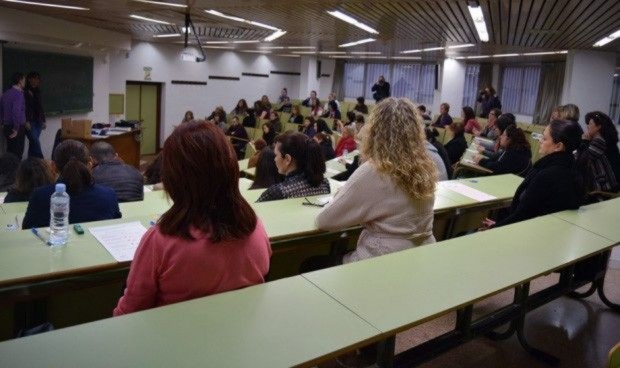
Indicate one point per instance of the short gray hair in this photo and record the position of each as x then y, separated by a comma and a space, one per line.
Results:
102, 151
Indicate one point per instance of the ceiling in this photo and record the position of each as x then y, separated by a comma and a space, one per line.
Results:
515, 26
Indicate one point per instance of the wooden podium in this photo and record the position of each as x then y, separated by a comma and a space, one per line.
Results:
126, 145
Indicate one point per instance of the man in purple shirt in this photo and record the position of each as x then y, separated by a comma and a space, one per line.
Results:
444, 119
13, 115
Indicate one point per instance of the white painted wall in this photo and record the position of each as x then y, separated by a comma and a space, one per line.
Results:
451, 86
309, 81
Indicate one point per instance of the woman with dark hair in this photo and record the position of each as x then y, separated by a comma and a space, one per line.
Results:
489, 130
89, 201
321, 127
553, 184
469, 120
262, 107
457, 145
274, 119
360, 107
515, 156
431, 136
210, 240
152, 174
259, 145
325, 142
503, 122
598, 156
266, 170
8, 169
241, 108
296, 116
269, 133
489, 100
332, 111
301, 161
188, 117
309, 128
32, 173
238, 136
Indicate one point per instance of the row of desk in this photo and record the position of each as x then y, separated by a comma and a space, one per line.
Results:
303, 320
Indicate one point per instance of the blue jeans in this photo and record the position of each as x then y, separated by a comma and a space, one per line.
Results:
34, 145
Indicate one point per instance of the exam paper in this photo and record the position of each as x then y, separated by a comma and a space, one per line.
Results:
120, 240
468, 191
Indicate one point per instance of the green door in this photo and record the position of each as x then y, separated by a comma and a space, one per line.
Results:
141, 103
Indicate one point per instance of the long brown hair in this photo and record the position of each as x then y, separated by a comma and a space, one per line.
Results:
72, 161
200, 173
32, 173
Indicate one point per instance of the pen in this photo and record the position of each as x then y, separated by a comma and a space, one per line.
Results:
38, 235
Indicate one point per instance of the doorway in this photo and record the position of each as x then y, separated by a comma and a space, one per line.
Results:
143, 103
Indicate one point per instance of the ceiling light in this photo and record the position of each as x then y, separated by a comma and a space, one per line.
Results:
434, 48
257, 51
188, 29
461, 46
275, 35
222, 15
246, 41
366, 53
342, 16
476, 15
340, 57
407, 57
332, 52
372, 57
161, 3
608, 39
216, 42
422, 50
459, 58
304, 52
148, 19
301, 47
505, 55
289, 55
544, 53
367, 40
219, 47
48, 5
167, 35
479, 57
263, 25
271, 47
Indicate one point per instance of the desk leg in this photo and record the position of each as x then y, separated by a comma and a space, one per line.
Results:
598, 280
385, 352
512, 327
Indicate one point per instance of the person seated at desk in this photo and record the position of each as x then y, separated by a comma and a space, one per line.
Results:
469, 119
444, 118
8, 169
286, 105
296, 116
269, 133
210, 240
89, 201
301, 161
309, 128
266, 170
333, 112
262, 107
554, 183
422, 110
515, 157
493, 149
431, 136
489, 131
321, 127
457, 145
219, 111
598, 156
283, 95
274, 119
32, 173
311, 101
433, 153
110, 171
326, 145
241, 109
392, 193
188, 117
347, 142
152, 174
360, 107
259, 145
239, 136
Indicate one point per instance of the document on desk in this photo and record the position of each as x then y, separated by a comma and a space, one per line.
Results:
469, 192
120, 240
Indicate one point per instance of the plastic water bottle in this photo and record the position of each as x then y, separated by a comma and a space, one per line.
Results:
59, 216
345, 153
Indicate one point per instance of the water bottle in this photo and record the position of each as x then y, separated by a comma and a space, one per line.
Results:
345, 153
59, 216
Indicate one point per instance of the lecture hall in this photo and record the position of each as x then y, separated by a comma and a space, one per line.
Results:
352, 183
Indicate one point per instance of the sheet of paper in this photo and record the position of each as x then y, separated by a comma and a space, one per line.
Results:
469, 192
121, 240
333, 172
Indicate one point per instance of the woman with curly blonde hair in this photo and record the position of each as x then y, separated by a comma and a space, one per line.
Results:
392, 193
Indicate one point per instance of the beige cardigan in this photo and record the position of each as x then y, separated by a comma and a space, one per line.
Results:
391, 221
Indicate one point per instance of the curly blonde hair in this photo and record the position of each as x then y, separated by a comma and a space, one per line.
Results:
393, 139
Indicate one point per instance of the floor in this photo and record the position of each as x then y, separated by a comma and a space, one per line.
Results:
579, 332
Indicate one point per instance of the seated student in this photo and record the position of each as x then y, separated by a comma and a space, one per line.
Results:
262, 107
392, 193
152, 174
269, 133
110, 171
347, 141
503, 122
249, 121
89, 201
444, 118
489, 130
350, 168
321, 127
598, 157
266, 170
553, 184
32, 173
188, 117
457, 145
332, 111
331, 97
283, 95
311, 101
422, 110
210, 240
8, 169
515, 156
360, 107
241, 109
431, 137
259, 145
286, 105
316, 110
274, 119
308, 128
359, 122
217, 121
301, 161
296, 116
569, 112
326, 145
469, 119
239, 137
219, 111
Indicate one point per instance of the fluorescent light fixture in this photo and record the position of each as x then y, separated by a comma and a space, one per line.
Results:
476, 15
340, 57
434, 48
545, 53
367, 40
461, 46
289, 55
219, 47
148, 19
505, 55
459, 58
372, 57
342, 16
366, 53
275, 35
406, 57
263, 25
479, 57
422, 50
608, 39
186, 56
272, 47
257, 51
332, 52
301, 47
217, 42
161, 3
189, 29
167, 35
304, 52
46, 4
222, 15
246, 41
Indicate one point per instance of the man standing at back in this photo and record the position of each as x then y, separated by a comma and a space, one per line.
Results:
34, 114
381, 89
13, 115
110, 171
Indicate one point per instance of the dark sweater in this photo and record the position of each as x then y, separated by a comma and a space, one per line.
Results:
552, 185
455, 148
328, 149
444, 157
126, 180
513, 161
13, 196
94, 203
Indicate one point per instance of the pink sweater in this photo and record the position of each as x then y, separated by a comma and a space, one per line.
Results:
470, 125
168, 269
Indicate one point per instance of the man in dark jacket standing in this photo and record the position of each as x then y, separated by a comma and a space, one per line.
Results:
35, 115
110, 171
381, 89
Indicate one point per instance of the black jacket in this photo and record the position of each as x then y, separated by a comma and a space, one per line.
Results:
381, 91
328, 149
552, 185
34, 106
455, 148
513, 161
126, 180
444, 157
